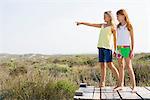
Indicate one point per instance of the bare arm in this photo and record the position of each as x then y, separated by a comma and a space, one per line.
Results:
89, 24
132, 43
115, 38
132, 39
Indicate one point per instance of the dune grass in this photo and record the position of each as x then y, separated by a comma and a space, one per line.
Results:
43, 77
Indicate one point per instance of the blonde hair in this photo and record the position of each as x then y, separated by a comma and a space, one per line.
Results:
123, 12
112, 21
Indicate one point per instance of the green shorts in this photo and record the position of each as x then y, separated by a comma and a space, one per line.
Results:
123, 51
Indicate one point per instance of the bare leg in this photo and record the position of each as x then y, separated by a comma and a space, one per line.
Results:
131, 73
114, 71
103, 74
121, 74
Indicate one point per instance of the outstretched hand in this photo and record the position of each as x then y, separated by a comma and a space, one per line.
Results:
78, 23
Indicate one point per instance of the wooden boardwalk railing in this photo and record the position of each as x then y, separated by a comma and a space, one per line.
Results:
94, 93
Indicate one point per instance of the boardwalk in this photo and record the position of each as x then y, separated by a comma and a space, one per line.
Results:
94, 93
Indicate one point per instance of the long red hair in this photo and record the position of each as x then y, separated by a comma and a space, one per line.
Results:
123, 12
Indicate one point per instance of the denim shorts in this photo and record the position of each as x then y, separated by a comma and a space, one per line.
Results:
105, 55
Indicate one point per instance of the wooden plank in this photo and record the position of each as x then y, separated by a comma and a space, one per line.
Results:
109, 93
88, 89
92, 93
127, 94
78, 93
87, 93
143, 92
86, 96
97, 94
106, 93
147, 88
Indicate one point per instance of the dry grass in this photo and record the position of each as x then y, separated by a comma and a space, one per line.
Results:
42, 77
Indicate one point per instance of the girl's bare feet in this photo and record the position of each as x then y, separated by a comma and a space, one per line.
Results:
102, 84
133, 90
118, 85
118, 88
115, 87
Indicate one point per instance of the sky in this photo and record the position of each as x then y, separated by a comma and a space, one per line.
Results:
48, 26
